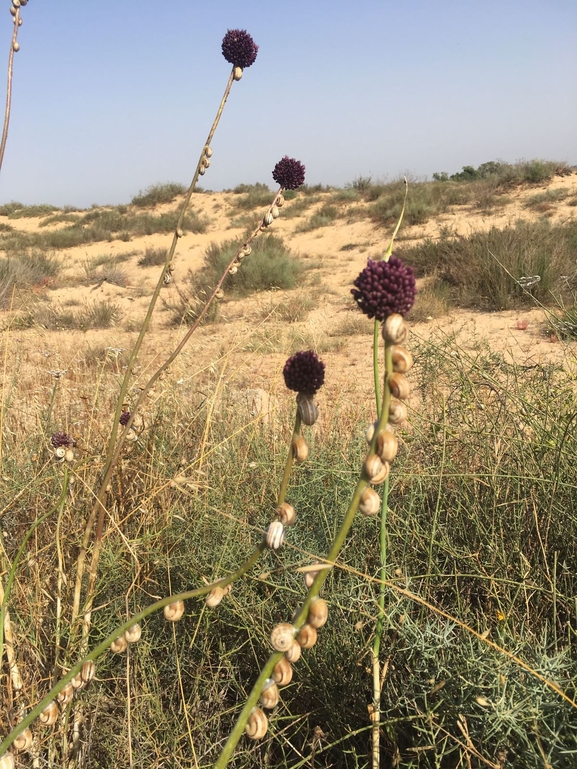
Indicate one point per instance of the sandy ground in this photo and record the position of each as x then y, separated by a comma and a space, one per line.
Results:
252, 340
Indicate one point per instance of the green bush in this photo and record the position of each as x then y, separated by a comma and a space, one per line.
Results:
28, 269
159, 193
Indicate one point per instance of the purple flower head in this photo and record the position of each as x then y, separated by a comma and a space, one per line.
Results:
239, 48
289, 173
61, 439
124, 417
304, 372
384, 288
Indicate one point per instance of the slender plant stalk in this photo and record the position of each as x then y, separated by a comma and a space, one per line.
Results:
8, 107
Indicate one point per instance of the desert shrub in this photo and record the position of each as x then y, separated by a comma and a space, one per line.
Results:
28, 269
543, 201
346, 196
158, 193
299, 205
15, 210
270, 265
476, 278
322, 218
530, 171
152, 257
60, 217
93, 315
252, 196
361, 183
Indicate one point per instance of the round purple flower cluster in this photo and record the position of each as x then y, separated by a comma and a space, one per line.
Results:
124, 417
384, 288
304, 372
239, 48
289, 173
61, 439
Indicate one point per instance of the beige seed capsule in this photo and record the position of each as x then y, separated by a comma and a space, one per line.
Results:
399, 386
133, 634
23, 741
387, 446
214, 597
300, 449
307, 636
119, 645
402, 359
294, 652
282, 637
370, 503
318, 613
257, 724
269, 696
174, 611
283, 671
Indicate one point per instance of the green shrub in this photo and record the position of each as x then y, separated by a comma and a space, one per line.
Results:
252, 196
152, 257
24, 271
322, 218
159, 193
17, 210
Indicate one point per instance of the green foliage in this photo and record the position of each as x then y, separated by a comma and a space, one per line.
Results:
483, 269
159, 193
93, 315
324, 217
152, 257
251, 196
531, 171
22, 272
15, 210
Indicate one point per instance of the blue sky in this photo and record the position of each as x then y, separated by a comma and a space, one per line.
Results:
110, 97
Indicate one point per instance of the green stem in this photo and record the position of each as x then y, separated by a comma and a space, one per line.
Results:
12, 572
289, 462
376, 335
105, 645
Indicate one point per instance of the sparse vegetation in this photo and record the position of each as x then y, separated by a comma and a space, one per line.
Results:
158, 193
23, 272
322, 218
152, 257
16, 210
251, 196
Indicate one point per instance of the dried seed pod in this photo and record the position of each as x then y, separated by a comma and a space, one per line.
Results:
280, 201
214, 597
174, 611
318, 613
257, 724
88, 671
300, 449
23, 741
308, 409
282, 636
69, 455
397, 412
119, 645
307, 636
394, 329
267, 219
283, 671
286, 514
399, 386
387, 446
133, 634
59, 453
66, 695
294, 652
49, 714
237, 73
370, 503
275, 212
402, 359
269, 696
7, 761
274, 537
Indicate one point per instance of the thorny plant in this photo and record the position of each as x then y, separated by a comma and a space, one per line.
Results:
385, 290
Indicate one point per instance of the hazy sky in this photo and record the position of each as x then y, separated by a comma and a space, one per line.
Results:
112, 96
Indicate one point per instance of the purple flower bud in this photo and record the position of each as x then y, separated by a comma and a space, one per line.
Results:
304, 372
239, 48
289, 173
61, 439
124, 417
384, 288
